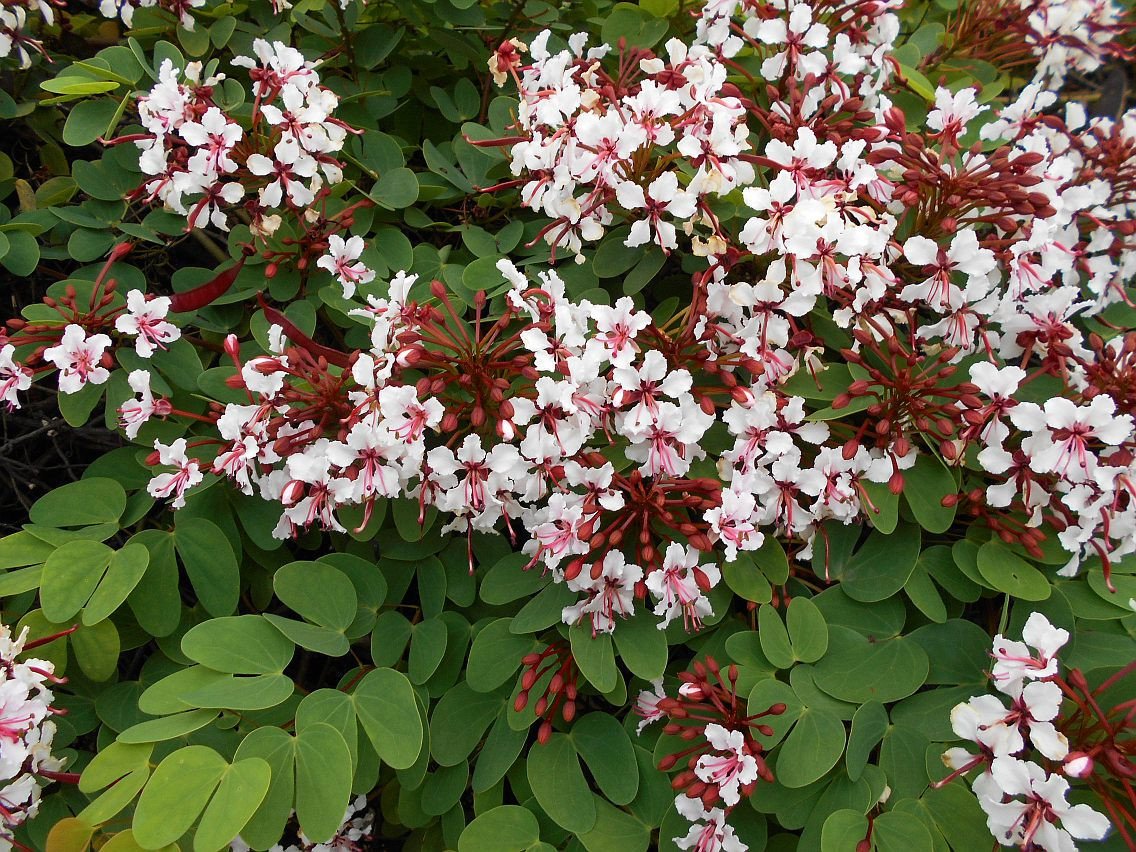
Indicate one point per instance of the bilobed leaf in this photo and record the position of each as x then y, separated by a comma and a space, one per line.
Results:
239, 644
858, 670
322, 640
558, 783
897, 832
812, 748
70, 576
176, 794
459, 720
319, 592
242, 789
96, 649
277, 749
386, 708
842, 830
234, 692
880, 567
127, 567
427, 648
808, 631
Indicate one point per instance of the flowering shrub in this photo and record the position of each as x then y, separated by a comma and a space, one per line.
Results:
626, 431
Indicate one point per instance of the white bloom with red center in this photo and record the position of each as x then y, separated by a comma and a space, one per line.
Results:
14, 377
315, 491
803, 158
275, 66
645, 385
556, 530
680, 585
647, 704
187, 475
616, 328
662, 197
610, 593
214, 136
1014, 662
78, 358
146, 319
372, 453
133, 413
731, 769
476, 485
964, 256
797, 33
710, 832
734, 522
1041, 819
668, 444
953, 111
406, 417
342, 261
985, 720
290, 167
1063, 434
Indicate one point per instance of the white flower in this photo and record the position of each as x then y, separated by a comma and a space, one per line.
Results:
1014, 662
342, 261
187, 473
1041, 819
730, 770
78, 358
146, 320
14, 377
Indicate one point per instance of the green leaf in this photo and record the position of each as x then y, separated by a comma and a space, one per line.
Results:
1007, 572
96, 648
558, 783
495, 655
210, 564
616, 831
594, 656
23, 548
842, 830
880, 568
883, 510
243, 787
746, 579
427, 648
869, 724
639, 27
808, 631
858, 670
774, 637
396, 189
70, 576
322, 640
76, 504
323, 780
897, 832
156, 600
126, 569
167, 727
242, 693
88, 120
177, 793
506, 828
609, 754
277, 749
240, 644
925, 485
812, 748
506, 582
387, 710
642, 646
458, 722
334, 602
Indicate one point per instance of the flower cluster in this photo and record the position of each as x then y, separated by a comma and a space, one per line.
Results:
201, 162
26, 732
726, 760
1025, 805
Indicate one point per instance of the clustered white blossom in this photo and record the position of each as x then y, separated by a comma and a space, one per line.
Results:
1025, 805
200, 162
26, 732
353, 835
